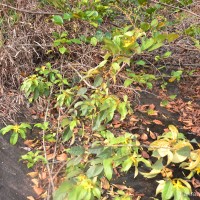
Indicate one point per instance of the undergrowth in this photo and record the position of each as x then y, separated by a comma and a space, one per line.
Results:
100, 44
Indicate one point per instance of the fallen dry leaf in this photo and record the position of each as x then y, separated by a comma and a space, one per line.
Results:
44, 195
32, 174
144, 154
133, 118
123, 187
152, 135
144, 137
156, 121
30, 198
43, 175
62, 157
117, 125
50, 156
28, 143
35, 181
38, 190
105, 183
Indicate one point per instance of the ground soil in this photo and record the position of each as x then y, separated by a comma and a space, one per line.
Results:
14, 183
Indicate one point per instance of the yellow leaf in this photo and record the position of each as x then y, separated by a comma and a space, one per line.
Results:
172, 79
159, 144
128, 42
30, 198
174, 131
32, 174
35, 181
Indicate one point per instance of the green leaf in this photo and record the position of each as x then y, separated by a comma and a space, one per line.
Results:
57, 19
93, 41
181, 154
76, 150
62, 50
22, 133
147, 44
168, 190
25, 125
14, 138
128, 82
76, 41
67, 16
156, 46
115, 66
61, 192
167, 54
154, 23
145, 26
94, 170
67, 134
178, 194
102, 63
96, 192
108, 169
141, 62
164, 103
82, 91
126, 165
6, 129
98, 81
158, 165
172, 96
122, 110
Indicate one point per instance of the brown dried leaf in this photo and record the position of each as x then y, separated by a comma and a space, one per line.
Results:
152, 135
145, 154
32, 174
50, 156
105, 183
151, 106
35, 181
43, 175
156, 121
38, 190
62, 157
133, 118
144, 137
117, 125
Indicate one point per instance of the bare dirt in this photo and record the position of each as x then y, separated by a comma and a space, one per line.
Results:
14, 183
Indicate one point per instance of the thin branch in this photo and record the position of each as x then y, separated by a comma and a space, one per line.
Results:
44, 147
183, 9
30, 11
82, 78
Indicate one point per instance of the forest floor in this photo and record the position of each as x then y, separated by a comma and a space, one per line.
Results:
178, 104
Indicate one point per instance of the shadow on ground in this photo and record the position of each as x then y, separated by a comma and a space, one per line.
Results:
14, 183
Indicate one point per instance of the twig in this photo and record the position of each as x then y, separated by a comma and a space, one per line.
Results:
168, 5
30, 11
82, 78
44, 147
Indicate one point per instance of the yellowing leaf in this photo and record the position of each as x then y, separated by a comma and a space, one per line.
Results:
32, 174
159, 144
30, 198
130, 41
174, 131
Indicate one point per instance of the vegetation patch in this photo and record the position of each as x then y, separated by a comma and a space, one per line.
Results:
88, 64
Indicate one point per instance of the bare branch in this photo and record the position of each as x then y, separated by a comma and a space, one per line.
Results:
30, 11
